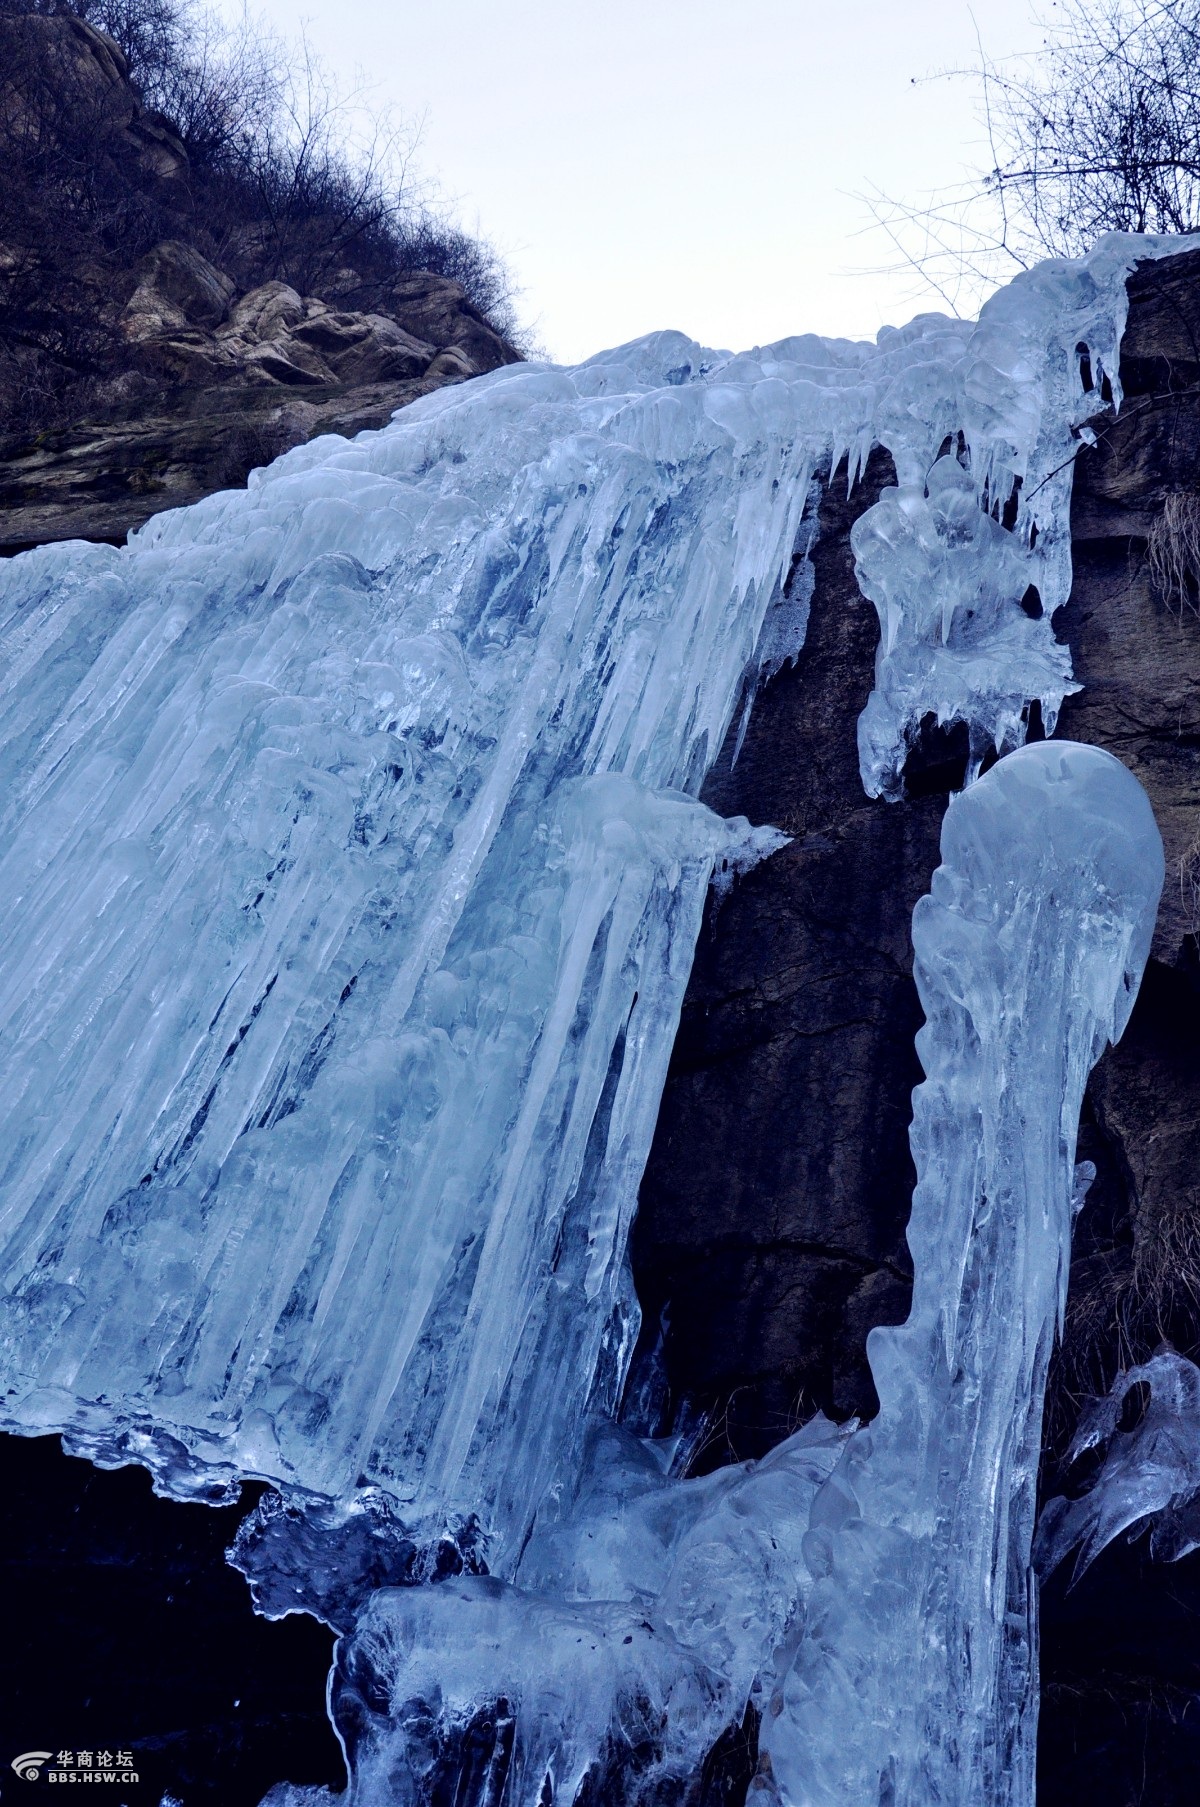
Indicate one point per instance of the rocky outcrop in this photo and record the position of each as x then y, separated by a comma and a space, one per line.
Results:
183, 322
218, 385
88, 72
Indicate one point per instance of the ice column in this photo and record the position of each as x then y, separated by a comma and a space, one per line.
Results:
914, 1679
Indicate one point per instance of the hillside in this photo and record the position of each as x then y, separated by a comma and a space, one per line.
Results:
169, 321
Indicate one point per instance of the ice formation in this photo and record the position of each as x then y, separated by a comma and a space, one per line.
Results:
1150, 1473
643, 1620
353, 872
920, 1620
352, 864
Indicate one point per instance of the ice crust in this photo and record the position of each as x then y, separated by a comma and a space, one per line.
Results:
352, 865
1149, 1476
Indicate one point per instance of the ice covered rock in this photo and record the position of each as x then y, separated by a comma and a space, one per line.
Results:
984, 423
1150, 1473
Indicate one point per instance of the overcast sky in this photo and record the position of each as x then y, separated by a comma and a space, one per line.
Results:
686, 163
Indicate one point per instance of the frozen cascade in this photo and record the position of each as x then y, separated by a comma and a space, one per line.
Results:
352, 880
871, 1589
351, 871
915, 1676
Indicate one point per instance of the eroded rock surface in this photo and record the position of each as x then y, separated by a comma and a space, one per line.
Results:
210, 394
771, 1224
1136, 648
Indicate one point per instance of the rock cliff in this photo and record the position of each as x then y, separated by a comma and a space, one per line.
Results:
201, 405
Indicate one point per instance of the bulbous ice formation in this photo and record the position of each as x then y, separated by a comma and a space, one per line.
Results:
915, 1676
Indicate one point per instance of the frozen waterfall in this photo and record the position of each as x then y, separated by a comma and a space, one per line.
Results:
351, 866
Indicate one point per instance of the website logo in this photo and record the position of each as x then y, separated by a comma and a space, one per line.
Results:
29, 1764
77, 1766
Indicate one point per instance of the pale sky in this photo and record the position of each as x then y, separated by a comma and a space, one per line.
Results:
697, 164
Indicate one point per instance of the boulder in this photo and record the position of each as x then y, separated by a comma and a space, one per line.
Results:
183, 357
363, 348
453, 362
437, 309
264, 312
174, 280
285, 360
178, 297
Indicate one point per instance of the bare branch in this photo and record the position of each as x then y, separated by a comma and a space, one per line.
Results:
1098, 131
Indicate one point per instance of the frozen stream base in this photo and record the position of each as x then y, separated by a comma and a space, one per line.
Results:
352, 866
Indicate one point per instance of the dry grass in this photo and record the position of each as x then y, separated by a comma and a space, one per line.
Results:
1164, 1288
1173, 552
1122, 1305
1189, 883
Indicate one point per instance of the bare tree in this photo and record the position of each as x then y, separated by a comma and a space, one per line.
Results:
1098, 130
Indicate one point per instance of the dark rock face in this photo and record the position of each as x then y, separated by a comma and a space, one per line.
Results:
125, 1630
98, 480
772, 1216
1121, 1679
1136, 649
1120, 1712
